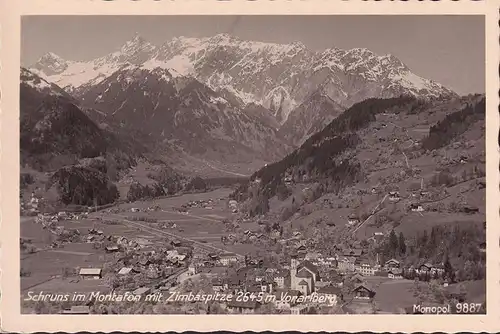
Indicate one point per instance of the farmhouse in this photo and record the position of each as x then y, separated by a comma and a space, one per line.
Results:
352, 220
363, 292
112, 249
228, 258
394, 196
392, 264
124, 271
90, 273
395, 274
416, 208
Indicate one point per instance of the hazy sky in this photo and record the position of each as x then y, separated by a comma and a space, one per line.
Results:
448, 49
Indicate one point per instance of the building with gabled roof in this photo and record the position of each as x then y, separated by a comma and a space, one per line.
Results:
90, 273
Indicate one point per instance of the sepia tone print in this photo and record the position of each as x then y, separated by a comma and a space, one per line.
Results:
252, 165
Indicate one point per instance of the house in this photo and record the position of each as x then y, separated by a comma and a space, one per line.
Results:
312, 256
365, 268
346, 264
242, 307
193, 269
279, 278
431, 269
363, 292
353, 252
80, 309
333, 294
112, 249
302, 249
352, 220
392, 264
144, 262
124, 271
394, 196
416, 208
425, 268
90, 273
227, 259
218, 285
395, 274
358, 279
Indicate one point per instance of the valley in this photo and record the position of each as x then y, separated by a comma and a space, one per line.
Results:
254, 167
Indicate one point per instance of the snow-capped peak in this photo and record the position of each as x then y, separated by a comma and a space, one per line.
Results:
135, 45
51, 63
50, 57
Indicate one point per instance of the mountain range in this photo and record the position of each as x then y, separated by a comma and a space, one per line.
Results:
226, 98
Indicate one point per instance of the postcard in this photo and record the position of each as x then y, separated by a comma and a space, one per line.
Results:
262, 165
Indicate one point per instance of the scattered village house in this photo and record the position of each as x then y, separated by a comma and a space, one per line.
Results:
395, 274
365, 268
392, 264
363, 292
228, 259
394, 196
416, 208
90, 273
352, 220
124, 271
431, 269
280, 277
347, 264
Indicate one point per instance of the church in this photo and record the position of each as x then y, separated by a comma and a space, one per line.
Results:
303, 276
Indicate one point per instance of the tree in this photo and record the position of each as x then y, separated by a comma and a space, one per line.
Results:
393, 243
449, 272
402, 244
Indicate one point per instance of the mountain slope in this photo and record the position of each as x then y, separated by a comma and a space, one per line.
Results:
183, 112
381, 145
310, 117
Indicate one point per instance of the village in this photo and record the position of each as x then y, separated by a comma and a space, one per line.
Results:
280, 272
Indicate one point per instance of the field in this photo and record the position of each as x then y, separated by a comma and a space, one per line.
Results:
43, 270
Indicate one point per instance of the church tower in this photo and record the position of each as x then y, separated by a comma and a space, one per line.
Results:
294, 263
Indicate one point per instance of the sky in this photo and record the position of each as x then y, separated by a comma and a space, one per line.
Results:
449, 49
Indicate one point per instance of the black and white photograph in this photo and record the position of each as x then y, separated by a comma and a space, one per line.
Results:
322, 164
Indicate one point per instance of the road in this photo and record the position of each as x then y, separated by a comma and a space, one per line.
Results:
161, 233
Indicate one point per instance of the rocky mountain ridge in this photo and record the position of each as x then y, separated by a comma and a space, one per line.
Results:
278, 77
